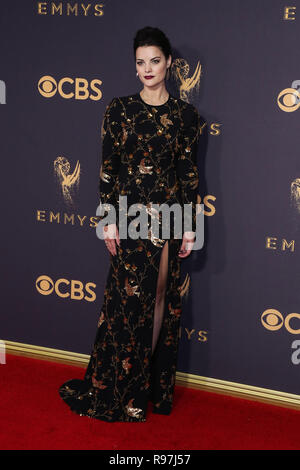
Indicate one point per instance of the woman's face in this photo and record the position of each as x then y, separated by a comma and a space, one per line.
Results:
151, 62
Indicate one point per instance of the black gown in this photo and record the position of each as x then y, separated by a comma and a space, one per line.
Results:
149, 154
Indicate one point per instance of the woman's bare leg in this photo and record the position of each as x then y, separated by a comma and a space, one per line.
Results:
160, 294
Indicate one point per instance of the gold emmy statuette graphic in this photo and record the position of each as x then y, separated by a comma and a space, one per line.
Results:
295, 193
180, 69
185, 286
67, 180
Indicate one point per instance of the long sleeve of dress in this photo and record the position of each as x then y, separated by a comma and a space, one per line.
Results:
111, 137
186, 169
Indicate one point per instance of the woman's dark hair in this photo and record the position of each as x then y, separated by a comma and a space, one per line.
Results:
149, 36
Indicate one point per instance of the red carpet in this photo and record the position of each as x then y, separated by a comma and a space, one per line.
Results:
34, 417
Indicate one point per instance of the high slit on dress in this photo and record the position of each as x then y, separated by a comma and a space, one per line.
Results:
158, 147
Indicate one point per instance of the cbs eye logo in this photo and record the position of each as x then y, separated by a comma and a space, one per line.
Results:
64, 288
273, 320
288, 99
68, 88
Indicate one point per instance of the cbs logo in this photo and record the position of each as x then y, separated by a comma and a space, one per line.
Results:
273, 320
64, 288
288, 99
78, 88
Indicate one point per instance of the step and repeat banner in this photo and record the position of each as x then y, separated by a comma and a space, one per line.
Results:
61, 64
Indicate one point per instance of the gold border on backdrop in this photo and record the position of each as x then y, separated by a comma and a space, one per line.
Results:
183, 379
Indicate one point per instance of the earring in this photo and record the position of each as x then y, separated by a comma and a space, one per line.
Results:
137, 74
168, 73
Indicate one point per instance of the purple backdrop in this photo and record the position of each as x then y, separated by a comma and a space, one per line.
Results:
59, 70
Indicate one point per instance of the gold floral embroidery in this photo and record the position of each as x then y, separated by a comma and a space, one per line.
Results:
165, 121
131, 289
148, 154
134, 412
145, 169
126, 365
104, 176
101, 319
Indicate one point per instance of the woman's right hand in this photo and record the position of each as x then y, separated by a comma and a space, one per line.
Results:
111, 235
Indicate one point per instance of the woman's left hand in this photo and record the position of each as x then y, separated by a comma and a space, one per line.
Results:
188, 241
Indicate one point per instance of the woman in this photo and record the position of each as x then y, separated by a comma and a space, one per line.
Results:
149, 148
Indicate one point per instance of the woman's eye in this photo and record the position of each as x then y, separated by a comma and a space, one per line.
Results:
155, 61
